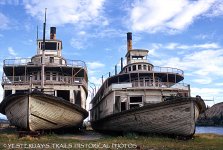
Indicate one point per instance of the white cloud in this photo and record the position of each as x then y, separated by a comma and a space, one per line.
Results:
95, 65
12, 51
173, 46
203, 80
208, 94
219, 84
4, 21
205, 62
206, 46
96, 81
170, 16
82, 33
78, 43
68, 11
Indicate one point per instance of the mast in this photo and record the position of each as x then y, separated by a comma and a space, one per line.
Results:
43, 54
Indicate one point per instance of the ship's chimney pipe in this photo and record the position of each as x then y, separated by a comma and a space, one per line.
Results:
53, 33
129, 41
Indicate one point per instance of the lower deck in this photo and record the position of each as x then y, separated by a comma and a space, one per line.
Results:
73, 94
122, 99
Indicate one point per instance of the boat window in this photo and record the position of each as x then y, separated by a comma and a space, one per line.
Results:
135, 102
21, 91
64, 94
51, 59
139, 67
35, 76
149, 68
117, 104
130, 68
144, 67
123, 106
54, 76
49, 45
47, 75
77, 96
135, 99
58, 46
134, 67
125, 69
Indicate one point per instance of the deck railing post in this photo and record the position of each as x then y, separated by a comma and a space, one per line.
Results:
30, 83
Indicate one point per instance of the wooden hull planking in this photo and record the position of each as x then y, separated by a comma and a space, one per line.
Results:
176, 118
35, 112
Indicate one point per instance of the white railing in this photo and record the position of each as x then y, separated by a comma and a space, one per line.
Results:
159, 84
168, 70
145, 84
69, 80
27, 61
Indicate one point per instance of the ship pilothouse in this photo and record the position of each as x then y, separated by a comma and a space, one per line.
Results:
62, 78
146, 74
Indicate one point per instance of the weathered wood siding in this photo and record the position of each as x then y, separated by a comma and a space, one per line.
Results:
16, 112
106, 106
46, 114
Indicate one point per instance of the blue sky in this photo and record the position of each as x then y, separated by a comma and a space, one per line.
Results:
186, 34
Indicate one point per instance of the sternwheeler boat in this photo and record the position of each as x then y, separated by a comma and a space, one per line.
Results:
145, 98
46, 91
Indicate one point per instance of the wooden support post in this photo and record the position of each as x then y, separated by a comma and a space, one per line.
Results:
154, 79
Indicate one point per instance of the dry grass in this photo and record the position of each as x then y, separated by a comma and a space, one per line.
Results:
130, 141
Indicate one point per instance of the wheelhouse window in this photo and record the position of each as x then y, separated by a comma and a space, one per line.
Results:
49, 45
144, 67
139, 67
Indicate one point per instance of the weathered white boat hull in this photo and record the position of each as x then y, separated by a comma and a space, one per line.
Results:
176, 117
41, 112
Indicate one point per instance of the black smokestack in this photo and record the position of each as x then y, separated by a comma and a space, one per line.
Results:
129, 41
53, 33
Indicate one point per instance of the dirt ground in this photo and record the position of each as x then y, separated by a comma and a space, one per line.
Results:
84, 135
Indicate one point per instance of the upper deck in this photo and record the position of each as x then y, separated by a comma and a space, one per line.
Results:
18, 67
56, 62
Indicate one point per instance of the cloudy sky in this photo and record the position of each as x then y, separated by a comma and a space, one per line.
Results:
186, 34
